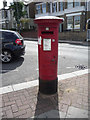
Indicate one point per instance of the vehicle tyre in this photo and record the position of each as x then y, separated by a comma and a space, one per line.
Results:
6, 56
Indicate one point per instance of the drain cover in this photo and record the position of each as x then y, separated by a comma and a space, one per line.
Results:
81, 67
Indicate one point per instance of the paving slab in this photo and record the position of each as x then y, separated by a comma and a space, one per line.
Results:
76, 113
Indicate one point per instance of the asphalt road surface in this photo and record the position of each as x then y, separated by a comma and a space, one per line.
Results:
70, 58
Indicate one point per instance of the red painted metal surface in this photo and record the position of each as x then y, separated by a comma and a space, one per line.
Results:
48, 56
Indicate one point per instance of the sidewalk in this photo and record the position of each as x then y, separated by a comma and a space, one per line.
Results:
71, 101
84, 43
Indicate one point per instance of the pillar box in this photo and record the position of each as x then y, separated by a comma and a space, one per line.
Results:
48, 53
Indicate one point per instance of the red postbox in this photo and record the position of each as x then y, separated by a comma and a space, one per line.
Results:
48, 53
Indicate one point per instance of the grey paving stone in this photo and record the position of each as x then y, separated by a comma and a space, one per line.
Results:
52, 114
42, 115
74, 112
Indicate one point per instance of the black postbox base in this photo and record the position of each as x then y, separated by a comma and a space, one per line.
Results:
48, 87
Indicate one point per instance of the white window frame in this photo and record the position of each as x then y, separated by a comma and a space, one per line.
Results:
74, 14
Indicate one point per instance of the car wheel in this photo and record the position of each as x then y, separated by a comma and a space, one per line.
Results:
6, 56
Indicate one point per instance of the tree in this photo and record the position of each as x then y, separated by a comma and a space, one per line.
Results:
25, 22
17, 7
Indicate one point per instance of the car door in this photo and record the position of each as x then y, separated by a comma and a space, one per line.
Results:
7, 40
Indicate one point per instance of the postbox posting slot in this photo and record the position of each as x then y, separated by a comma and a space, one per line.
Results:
47, 32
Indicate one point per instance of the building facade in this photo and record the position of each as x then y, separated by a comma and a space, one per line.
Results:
7, 19
75, 14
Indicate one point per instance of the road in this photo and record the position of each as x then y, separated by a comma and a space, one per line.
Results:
70, 58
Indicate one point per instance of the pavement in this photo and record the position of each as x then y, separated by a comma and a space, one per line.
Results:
25, 101
84, 43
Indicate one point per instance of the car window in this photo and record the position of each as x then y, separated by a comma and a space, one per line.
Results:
20, 37
9, 36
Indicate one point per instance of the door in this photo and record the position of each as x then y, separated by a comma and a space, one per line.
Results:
88, 31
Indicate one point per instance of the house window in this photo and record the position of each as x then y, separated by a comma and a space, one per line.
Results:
76, 3
38, 9
25, 8
70, 5
61, 6
55, 7
76, 22
70, 23
44, 8
61, 28
6, 14
2, 13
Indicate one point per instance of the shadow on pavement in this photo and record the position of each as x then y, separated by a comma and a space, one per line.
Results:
47, 106
7, 67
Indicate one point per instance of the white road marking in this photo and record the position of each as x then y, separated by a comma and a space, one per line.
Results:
33, 83
70, 67
32, 42
16, 70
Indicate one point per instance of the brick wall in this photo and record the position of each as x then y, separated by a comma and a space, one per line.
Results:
75, 36
29, 34
32, 10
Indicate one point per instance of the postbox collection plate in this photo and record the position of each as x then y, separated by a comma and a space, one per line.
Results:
46, 44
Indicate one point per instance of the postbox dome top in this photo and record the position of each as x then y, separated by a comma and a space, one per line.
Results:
48, 20
50, 17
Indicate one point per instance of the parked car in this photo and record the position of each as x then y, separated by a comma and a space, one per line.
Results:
11, 45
